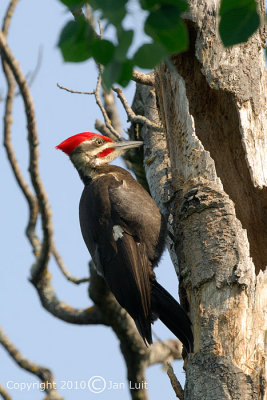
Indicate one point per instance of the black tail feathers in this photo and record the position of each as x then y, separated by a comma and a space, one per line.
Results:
172, 315
144, 328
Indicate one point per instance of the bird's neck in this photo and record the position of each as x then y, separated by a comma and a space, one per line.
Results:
89, 173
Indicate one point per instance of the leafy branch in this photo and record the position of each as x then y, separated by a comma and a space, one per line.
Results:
164, 26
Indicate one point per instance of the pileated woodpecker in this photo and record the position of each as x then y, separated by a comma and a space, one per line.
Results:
124, 232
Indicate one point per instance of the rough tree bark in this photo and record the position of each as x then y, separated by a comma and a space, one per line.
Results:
213, 108
207, 171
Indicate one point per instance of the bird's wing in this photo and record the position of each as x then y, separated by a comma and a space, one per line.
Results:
116, 248
127, 275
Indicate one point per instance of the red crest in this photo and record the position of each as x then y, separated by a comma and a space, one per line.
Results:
70, 144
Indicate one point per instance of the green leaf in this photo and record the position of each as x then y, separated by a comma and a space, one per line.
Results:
102, 51
149, 55
156, 4
114, 11
72, 3
239, 20
118, 72
164, 18
125, 39
74, 41
168, 29
126, 73
111, 73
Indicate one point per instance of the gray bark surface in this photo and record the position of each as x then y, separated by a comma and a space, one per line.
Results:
212, 177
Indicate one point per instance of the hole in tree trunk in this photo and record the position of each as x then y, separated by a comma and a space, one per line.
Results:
217, 126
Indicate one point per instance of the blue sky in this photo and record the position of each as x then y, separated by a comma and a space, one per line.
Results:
73, 353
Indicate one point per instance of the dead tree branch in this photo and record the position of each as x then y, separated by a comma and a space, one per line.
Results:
52, 304
133, 118
111, 131
43, 373
4, 394
64, 270
101, 127
163, 351
63, 311
175, 383
74, 91
144, 79
111, 109
42, 261
8, 16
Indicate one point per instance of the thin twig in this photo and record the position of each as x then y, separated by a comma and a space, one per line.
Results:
111, 130
138, 119
31, 199
9, 14
100, 29
101, 127
144, 79
64, 270
43, 373
32, 75
74, 91
4, 394
175, 383
116, 134
42, 261
111, 109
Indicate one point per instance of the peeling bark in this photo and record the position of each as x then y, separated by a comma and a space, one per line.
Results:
213, 109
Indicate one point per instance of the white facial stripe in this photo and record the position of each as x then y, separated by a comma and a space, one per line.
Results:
117, 232
99, 149
86, 161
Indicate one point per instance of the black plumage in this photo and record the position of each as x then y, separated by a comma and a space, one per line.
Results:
114, 198
124, 232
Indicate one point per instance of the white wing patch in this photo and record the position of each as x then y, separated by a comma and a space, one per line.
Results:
117, 232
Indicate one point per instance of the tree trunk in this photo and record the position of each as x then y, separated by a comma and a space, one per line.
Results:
213, 108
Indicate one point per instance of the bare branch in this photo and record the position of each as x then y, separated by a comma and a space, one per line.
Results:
144, 79
138, 119
4, 393
111, 109
31, 199
43, 373
74, 91
32, 75
108, 110
42, 260
8, 16
113, 131
100, 29
175, 383
101, 127
62, 310
63, 269
163, 351
109, 129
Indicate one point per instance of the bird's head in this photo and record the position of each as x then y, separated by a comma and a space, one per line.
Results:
88, 150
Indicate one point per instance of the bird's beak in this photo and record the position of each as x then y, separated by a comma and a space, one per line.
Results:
125, 145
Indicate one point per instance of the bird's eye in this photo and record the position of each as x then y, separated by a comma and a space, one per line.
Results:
99, 142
